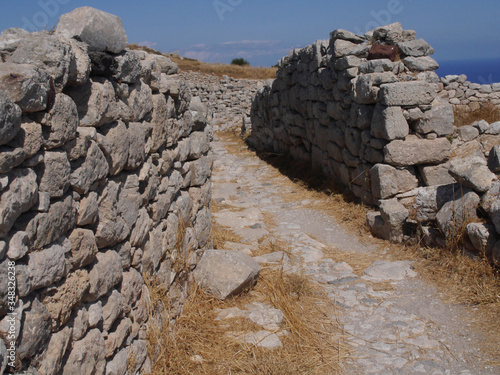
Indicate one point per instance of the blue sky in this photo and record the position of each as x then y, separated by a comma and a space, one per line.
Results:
263, 31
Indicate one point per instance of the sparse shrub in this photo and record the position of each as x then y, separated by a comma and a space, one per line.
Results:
240, 62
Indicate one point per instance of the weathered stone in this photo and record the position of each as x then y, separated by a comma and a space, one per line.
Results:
117, 338
454, 214
376, 66
387, 181
118, 365
104, 275
467, 133
394, 215
87, 211
420, 64
482, 236
11, 158
140, 100
166, 65
199, 111
25, 85
141, 229
29, 137
409, 151
83, 248
431, 199
201, 170
439, 119
49, 53
45, 228
35, 335
131, 288
87, 171
116, 146
241, 272
18, 245
112, 309
95, 314
407, 93
203, 226
494, 159
60, 122
60, 302
365, 88
436, 174
10, 119
21, 195
346, 35
415, 48
53, 357
472, 172
100, 30
55, 173
43, 268
79, 68
112, 228
128, 68
389, 123
87, 356
78, 147
390, 34
137, 148
95, 101
385, 271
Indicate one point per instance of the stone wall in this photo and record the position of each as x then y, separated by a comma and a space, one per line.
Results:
229, 100
105, 170
365, 111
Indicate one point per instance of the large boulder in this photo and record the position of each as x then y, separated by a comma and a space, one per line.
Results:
100, 30
240, 272
457, 213
389, 123
472, 172
407, 93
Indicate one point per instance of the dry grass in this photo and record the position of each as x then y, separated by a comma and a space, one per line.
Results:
484, 111
219, 70
198, 344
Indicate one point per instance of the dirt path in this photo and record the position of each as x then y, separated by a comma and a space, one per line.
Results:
394, 322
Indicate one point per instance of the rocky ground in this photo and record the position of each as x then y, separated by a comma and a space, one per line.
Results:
394, 322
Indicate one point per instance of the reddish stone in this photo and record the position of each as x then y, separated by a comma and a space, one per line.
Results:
379, 51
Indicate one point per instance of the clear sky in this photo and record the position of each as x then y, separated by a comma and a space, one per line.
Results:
262, 31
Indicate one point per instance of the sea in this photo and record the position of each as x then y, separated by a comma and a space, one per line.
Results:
483, 72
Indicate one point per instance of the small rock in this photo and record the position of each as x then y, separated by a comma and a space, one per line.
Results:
241, 272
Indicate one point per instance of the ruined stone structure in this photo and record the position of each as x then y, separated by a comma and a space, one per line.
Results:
365, 111
229, 100
105, 178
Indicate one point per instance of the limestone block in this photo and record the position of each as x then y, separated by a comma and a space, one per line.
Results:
389, 123
409, 151
472, 172
411, 93
240, 272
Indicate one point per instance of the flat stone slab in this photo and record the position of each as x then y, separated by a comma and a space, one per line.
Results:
260, 313
263, 339
226, 273
383, 271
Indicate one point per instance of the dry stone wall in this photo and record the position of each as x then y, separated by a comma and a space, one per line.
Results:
229, 100
365, 111
105, 179
460, 92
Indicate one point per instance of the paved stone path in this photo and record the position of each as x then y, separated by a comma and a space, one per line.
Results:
400, 329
